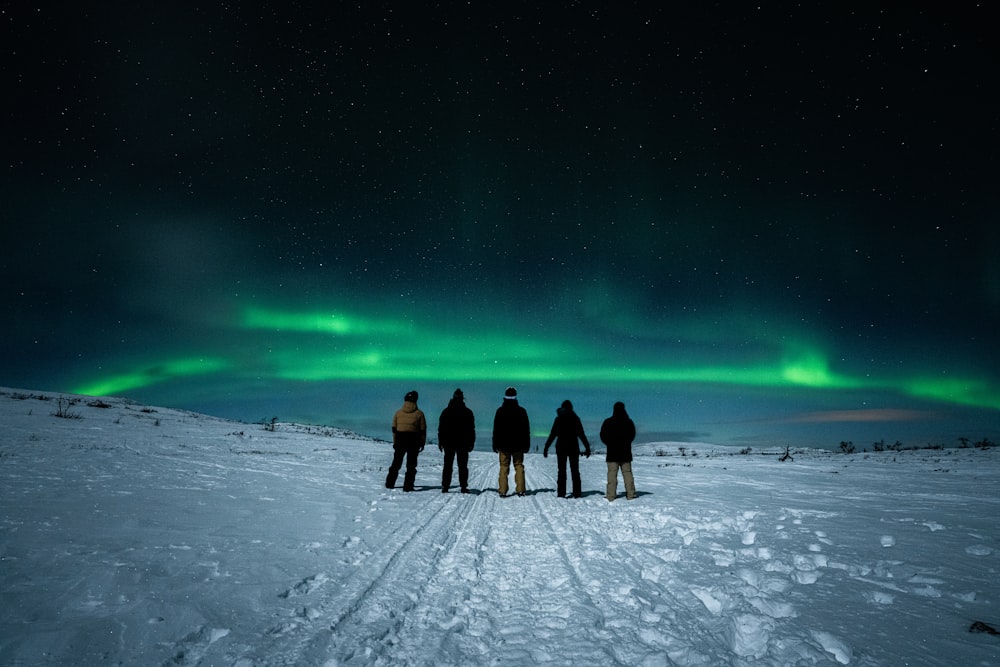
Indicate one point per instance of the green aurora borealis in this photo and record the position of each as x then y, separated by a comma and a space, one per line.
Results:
343, 347
337, 346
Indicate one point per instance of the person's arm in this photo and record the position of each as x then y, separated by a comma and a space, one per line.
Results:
552, 435
527, 431
496, 431
472, 431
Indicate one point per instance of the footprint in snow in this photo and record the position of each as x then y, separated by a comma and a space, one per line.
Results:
304, 587
927, 592
805, 578
192, 648
763, 582
773, 608
879, 597
724, 558
652, 573
808, 563
749, 635
715, 601
831, 644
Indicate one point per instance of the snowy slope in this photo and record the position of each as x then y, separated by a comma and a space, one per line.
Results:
149, 536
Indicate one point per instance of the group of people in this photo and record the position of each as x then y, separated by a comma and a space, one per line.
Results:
511, 441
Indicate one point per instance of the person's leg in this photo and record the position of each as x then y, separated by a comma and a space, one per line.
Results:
612, 492
504, 471
560, 474
574, 468
519, 473
449, 458
412, 453
463, 469
397, 462
629, 481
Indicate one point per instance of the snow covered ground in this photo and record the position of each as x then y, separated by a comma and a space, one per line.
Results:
148, 536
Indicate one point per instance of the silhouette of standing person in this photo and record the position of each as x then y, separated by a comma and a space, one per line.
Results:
567, 431
456, 438
618, 432
409, 433
511, 439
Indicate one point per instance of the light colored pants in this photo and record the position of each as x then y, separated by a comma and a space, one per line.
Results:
505, 461
626, 469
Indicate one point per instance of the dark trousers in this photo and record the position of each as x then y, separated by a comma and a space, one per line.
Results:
463, 468
399, 451
574, 467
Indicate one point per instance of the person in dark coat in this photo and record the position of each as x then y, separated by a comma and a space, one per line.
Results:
567, 431
511, 440
456, 438
618, 432
409, 433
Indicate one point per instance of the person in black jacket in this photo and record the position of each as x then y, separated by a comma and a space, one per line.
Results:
511, 440
456, 438
567, 431
618, 432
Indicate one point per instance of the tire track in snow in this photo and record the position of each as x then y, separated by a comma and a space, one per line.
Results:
447, 609
412, 600
353, 620
371, 626
536, 608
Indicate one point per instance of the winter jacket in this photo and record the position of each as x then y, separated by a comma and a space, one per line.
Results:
409, 427
618, 432
511, 430
567, 430
457, 427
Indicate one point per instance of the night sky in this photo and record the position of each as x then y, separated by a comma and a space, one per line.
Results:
756, 224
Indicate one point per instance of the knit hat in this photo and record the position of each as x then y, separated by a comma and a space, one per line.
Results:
458, 394
411, 396
510, 394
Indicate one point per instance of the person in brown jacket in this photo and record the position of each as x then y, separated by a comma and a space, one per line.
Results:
409, 434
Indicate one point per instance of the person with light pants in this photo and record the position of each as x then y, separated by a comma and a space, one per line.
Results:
618, 432
511, 440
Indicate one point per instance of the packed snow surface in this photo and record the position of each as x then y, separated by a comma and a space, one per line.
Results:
147, 536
